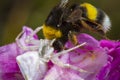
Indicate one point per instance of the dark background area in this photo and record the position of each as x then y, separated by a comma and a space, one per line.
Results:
16, 13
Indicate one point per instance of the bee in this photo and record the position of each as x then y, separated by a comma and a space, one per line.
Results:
65, 21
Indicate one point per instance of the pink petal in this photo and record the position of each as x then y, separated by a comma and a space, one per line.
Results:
9, 69
91, 58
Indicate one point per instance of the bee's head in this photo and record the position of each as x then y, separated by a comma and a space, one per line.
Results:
54, 20
55, 16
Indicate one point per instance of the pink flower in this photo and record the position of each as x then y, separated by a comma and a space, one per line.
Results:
9, 69
112, 69
99, 60
90, 58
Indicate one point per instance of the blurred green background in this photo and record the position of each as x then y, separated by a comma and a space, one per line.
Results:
16, 13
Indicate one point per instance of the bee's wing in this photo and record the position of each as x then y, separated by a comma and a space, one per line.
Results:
74, 16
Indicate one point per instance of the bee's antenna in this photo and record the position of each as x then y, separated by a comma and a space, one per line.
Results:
63, 3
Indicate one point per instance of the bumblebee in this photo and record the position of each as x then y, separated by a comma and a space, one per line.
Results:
64, 21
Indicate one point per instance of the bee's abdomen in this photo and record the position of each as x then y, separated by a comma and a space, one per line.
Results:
89, 11
97, 15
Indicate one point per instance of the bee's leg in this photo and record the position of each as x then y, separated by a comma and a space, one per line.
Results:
94, 27
102, 34
55, 59
58, 45
105, 37
72, 37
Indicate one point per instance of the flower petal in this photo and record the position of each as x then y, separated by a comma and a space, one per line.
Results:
113, 66
91, 58
91, 42
9, 69
57, 73
107, 43
27, 32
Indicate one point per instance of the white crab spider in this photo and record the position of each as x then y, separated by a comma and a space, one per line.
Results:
29, 40
46, 52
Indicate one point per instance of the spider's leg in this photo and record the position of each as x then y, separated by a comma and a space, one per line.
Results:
18, 41
33, 33
55, 59
58, 62
23, 47
69, 50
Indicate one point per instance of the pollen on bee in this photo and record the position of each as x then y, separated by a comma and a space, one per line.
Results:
51, 33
